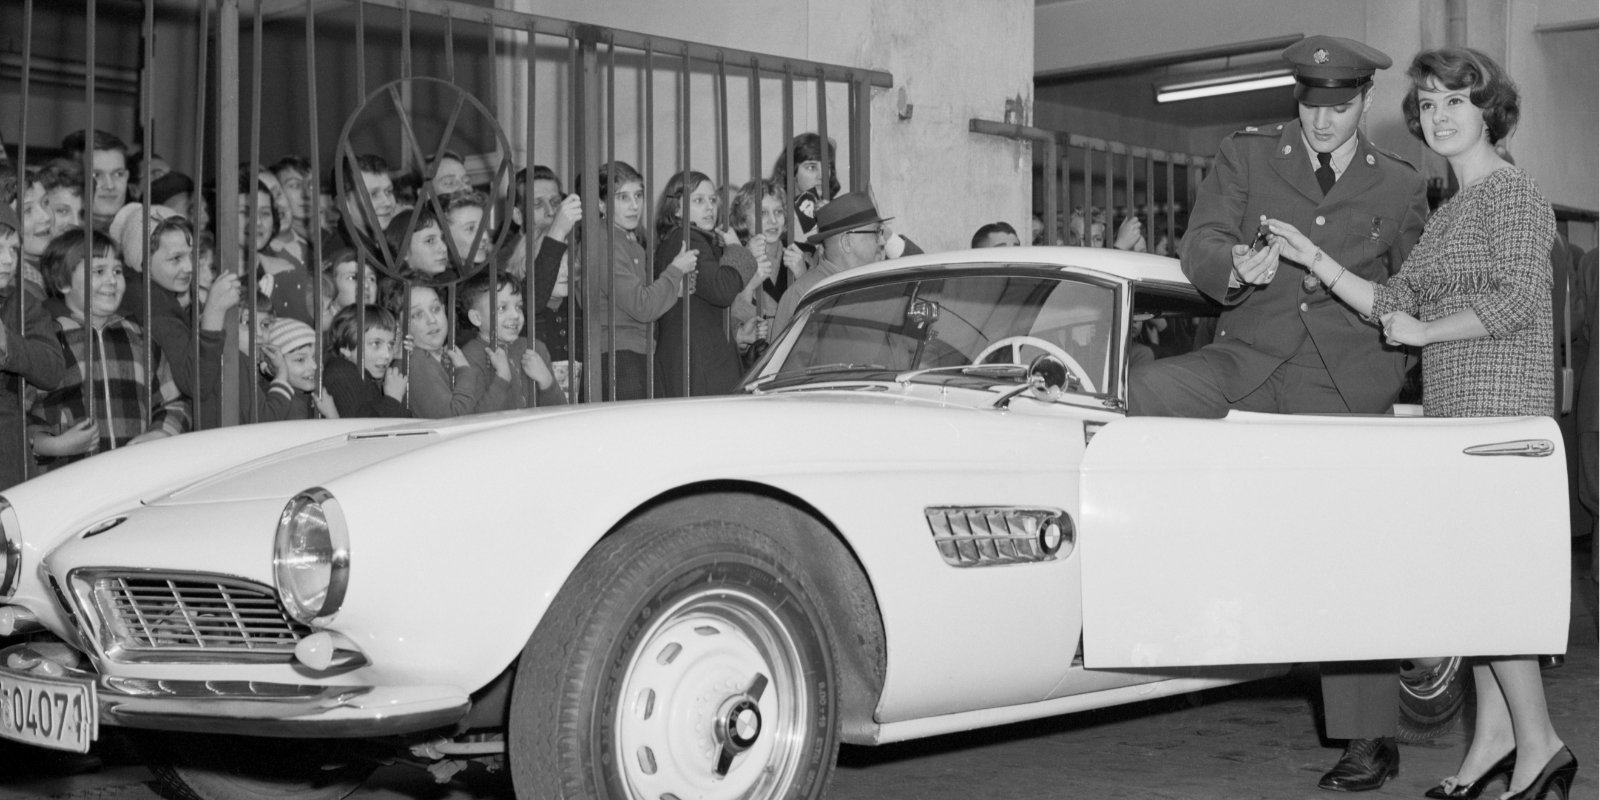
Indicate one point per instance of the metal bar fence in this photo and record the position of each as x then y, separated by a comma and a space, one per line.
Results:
599, 114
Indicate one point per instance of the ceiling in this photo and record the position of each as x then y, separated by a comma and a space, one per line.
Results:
1128, 90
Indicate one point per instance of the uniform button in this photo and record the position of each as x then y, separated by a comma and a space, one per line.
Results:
1321, 221
1305, 307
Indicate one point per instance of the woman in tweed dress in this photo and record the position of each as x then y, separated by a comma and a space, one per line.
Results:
1474, 294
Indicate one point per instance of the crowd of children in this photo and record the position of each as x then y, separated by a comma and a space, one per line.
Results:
114, 311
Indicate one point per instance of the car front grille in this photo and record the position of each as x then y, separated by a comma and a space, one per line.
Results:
189, 617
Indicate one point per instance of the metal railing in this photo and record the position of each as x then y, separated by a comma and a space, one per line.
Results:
575, 96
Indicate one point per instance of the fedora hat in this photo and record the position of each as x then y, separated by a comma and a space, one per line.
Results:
846, 212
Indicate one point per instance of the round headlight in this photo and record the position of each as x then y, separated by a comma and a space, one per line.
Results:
311, 556
10, 550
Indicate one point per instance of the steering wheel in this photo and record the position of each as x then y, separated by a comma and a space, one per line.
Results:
1016, 343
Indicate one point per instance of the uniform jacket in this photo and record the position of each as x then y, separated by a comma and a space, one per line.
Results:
1368, 222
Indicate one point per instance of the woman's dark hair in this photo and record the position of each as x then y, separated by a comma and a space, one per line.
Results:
807, 147
669, 214
993, 227
66, 252
1489, 88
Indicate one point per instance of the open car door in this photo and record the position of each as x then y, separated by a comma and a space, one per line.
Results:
1268, 538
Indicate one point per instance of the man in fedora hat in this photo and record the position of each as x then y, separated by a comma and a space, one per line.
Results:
1284, 342
851, 234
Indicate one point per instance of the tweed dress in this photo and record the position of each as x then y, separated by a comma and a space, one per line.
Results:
1488, 250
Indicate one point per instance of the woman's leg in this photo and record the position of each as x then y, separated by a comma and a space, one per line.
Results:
1492, 735
1523, 689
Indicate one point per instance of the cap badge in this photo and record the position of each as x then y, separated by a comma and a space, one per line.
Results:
1320, 56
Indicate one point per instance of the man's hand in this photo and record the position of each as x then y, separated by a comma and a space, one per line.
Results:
1256, 266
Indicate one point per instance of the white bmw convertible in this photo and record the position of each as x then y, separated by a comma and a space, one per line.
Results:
927, 513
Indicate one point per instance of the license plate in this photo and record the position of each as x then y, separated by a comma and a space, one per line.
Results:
58, 713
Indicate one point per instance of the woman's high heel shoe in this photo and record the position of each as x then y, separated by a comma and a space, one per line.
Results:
1469, 791
1556, 778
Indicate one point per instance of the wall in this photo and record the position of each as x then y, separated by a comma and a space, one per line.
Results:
955, 61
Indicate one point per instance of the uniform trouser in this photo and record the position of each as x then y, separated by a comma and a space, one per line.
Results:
1360, 698
1189, 386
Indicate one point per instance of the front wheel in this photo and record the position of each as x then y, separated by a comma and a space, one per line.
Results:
1432, 693
692, 662
196, 767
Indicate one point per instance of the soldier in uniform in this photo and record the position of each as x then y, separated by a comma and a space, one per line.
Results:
1285, 343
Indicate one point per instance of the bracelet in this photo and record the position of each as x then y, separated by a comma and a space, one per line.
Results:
1336, 278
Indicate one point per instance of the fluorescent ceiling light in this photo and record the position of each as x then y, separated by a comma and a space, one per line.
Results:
1231, 84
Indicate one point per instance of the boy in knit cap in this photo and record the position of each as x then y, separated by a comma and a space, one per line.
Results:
294, 392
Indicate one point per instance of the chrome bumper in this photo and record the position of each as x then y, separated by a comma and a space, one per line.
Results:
251, 707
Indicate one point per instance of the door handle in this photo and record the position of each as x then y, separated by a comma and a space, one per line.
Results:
1536, 448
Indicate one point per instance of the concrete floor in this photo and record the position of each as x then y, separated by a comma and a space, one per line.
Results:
1257, 740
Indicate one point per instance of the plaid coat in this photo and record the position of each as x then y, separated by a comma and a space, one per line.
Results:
120, 382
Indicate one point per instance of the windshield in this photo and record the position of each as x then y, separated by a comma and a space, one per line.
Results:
952, 322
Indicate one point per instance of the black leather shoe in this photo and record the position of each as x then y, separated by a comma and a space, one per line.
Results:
1470, 791
1365, 765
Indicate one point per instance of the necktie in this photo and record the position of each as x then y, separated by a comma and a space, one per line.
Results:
1325, 176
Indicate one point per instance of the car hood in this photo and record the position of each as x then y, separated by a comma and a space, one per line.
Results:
286, 472
282, 474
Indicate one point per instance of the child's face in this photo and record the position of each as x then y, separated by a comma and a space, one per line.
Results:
264, 321
427, 252
508, 314
771, 218
110, 181
377, 351
807, 175
105, 289
205, 266
344, 282
172, 262
544, 202
66, 210
451, 176
702, 206
263, 218
294, 184
300, 368
9, 254
430, 325
627, 205
381, 189
37, 221
464, 223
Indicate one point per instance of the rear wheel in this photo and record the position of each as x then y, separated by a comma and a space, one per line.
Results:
692, 662
196, 767
1432, 693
